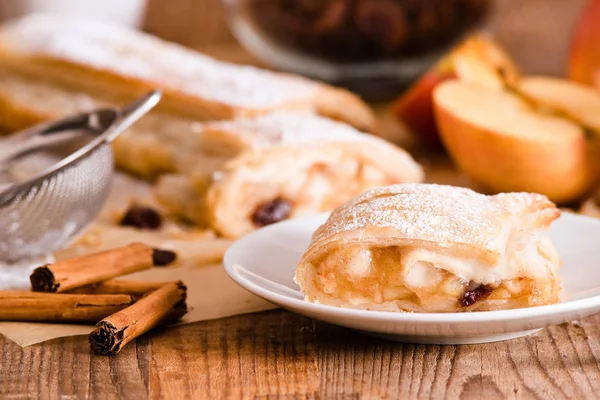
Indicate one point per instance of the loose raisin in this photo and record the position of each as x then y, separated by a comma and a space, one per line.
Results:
162, 258
142, 218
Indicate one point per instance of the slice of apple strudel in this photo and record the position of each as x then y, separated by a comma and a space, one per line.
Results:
434, 248
251, 172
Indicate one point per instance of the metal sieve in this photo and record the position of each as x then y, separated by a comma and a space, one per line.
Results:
43, 213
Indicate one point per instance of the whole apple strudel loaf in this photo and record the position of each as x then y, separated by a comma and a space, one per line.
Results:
109, 59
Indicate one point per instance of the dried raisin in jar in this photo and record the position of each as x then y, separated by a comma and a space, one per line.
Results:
371, 46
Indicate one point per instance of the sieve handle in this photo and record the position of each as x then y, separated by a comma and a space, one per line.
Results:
129, 114
107, 123
51, 134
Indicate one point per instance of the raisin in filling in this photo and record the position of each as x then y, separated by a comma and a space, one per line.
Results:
271, 212
475, 293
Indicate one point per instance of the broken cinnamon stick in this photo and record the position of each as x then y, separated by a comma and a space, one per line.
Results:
51, 307
163, 306
133, 288
92, 268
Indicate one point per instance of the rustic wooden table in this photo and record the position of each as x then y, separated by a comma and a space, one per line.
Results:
277, 354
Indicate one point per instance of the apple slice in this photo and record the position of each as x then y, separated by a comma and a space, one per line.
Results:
505, 144
478, 60
482, 62
584, 57
571, 100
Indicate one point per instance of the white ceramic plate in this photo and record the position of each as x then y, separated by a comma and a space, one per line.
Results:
264, 263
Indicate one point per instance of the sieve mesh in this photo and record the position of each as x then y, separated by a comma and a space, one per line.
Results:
45, 213
43, 217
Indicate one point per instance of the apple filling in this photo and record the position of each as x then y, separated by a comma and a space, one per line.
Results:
417, 280
295, 186
320, 186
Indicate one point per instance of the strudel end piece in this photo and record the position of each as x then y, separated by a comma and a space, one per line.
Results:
433, 248
251, 172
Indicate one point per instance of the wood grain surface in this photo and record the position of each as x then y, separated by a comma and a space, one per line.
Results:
278, 354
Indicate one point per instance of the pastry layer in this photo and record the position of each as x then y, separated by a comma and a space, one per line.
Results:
114, 60
431, 248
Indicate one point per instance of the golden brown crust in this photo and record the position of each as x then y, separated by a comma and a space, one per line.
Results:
435, 217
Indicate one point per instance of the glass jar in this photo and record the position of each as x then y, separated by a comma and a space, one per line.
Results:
371, 46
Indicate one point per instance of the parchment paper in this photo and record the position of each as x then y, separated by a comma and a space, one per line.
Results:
211, 293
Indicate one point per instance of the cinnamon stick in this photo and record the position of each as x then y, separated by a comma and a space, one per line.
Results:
92, 268
51, 307
163, 306
133, 288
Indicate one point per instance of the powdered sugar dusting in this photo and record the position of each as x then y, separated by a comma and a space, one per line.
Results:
287, 128
437, 213
105, 46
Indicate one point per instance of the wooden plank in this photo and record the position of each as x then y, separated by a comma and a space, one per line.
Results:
263, 354
278, 354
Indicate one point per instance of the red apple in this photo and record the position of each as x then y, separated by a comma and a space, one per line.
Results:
584, 58
478, 60
415, 107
